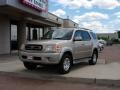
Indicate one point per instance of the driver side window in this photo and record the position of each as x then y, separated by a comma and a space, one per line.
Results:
78, 36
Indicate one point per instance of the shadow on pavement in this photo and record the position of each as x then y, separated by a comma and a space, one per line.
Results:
53, 70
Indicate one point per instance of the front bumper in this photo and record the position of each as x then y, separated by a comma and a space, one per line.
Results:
40, 58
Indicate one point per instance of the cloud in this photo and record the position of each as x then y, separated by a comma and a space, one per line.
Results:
117, 14
99, 22
95, 21
92, 25
59, 12
97, 27
108, 4
115, 24
91, 16
76, 4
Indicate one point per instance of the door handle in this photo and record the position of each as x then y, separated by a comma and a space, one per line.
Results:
82, 44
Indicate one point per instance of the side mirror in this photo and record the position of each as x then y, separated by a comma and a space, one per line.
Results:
77, 39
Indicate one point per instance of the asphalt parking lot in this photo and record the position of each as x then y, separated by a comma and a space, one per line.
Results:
111, 54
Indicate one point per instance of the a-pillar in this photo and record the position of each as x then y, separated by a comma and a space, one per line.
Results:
21, 33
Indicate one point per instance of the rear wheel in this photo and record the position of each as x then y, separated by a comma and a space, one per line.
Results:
65, 64
94, 58
30, 66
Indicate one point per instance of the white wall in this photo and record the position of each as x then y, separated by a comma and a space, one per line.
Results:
4, 36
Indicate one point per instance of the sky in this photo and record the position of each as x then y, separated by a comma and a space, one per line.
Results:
102, 16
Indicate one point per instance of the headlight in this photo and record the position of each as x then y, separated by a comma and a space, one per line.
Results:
22, 47
53, 48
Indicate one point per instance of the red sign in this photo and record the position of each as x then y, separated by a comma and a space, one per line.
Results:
39, 5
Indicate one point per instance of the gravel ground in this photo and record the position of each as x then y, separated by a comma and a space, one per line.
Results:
17, 83
111, 54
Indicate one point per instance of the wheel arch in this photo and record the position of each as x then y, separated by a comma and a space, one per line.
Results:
69, 53
95, 50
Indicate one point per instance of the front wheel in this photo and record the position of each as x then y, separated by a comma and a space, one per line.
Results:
30, 66
65, 64
94, 58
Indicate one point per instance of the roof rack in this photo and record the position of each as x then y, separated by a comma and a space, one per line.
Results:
64, 28
85, 29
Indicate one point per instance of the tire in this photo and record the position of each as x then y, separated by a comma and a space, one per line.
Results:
94, 58
65, 64
30, 66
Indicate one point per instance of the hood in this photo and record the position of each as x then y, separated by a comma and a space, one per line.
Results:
47, 42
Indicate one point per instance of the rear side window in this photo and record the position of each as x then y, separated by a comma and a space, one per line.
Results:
93, 35
85, 36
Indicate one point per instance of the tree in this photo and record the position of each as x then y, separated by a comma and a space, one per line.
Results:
118, 34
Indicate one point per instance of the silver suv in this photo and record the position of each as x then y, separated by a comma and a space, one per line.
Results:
63, 48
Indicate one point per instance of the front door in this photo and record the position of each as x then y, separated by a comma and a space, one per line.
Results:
82, 46
78, 46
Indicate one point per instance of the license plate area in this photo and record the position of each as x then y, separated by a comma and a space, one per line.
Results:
37, 58
30, 57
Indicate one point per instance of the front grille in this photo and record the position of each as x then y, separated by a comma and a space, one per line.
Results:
33, 47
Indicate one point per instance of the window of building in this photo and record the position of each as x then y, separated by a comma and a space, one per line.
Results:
14, 32
34, 33
14, 41
57, 19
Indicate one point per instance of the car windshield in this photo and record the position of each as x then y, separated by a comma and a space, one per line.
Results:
58, 35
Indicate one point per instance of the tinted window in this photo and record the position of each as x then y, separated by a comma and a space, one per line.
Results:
77, 34
93, 35
85, 36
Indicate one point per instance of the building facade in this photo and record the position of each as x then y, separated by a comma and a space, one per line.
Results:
108, 35
69, 23
23, 20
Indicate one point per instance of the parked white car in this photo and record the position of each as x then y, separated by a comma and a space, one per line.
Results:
102, 41
101, 44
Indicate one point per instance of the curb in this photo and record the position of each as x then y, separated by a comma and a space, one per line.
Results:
108, 82
105, 82
47, 77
